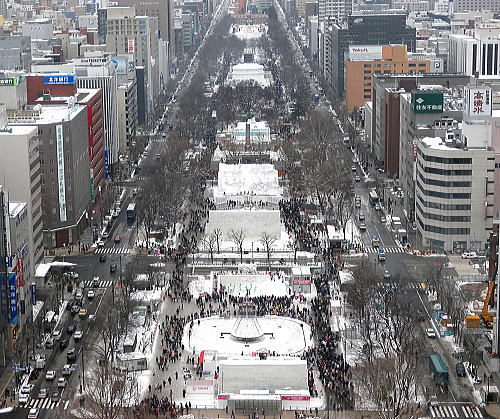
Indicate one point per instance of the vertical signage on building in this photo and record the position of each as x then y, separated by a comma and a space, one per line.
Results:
20, 273
92, 191
478, 101
33, 294
60, 173
131, 46
13, 298
106, 165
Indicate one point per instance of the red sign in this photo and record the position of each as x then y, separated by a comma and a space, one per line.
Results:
301, 282
299, 398
222, 397
20, 274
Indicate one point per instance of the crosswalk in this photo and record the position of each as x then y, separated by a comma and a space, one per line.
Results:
102, 284
113, 250
46, 404
455, 411
390, 249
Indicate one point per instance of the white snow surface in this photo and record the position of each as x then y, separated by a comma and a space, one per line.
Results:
247, 179
253, 285
212, 334
247, 32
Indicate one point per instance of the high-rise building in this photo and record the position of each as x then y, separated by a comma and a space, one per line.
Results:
364, 60
476, 52
163, 11
64, 166
362, 28
138, 35
21, 173
333, 10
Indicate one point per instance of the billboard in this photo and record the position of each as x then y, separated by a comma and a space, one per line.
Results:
13, 298
121, 64
11, 81
20, 273
33, 294
60, 173
365, 52
477, 101
131, 46
427, 101
106, 165
59, 79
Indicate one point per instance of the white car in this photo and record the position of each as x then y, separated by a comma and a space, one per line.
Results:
100, 243
61, 383
469, 255
78, 335
23, 398
90, 294
50, 375
26, 389
431, 334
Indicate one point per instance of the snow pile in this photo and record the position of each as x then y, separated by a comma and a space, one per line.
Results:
247, 179
259, 132
253, 285
199, 285
249, 72
146, 296
247, 32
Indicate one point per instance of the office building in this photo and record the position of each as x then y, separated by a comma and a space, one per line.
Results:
15, 53
41, 28
21, 173
64, 167
361, 28
334, 10
364, 60
128, 33
475, 5
475, 53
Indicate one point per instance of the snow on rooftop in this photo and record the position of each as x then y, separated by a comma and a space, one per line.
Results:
16, 207
247, 179
436, 143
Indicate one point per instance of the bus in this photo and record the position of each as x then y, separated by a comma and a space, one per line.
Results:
131, 211
373, 198
438, 369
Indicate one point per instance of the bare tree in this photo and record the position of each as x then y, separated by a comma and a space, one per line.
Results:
209, 242
238, 238
109, 394
148, 210
113, 325
218, 237
268, 241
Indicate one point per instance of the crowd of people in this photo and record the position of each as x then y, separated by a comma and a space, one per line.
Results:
305, 233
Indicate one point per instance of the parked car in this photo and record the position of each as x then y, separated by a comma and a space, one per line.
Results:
50, 375
460, 368
78, 335
431, 334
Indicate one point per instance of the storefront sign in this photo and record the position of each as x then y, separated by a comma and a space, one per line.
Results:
13, 298
68, 79
8, 82
477, 101
301, 282
295, 398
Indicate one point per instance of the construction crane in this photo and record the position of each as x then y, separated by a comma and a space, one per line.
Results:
485, 315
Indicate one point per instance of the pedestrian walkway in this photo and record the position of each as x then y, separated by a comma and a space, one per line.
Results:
455, 411
391, 249
110, 250
46, 404
102, 284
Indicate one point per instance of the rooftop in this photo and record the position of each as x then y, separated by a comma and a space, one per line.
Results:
15, 208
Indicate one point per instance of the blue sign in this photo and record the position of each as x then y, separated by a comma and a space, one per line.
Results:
106, 165
33, 294
69, 79
9, 261
13, 298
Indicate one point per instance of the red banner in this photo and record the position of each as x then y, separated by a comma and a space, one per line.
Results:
301, 282
20, 273
299, 398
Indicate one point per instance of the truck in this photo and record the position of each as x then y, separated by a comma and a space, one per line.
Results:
439, 371
131, 211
